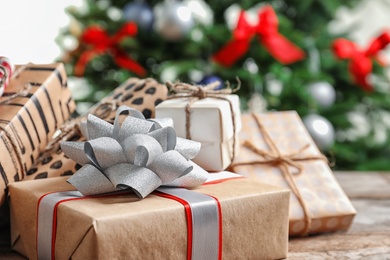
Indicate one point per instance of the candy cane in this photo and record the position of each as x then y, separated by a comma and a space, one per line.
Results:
6, 70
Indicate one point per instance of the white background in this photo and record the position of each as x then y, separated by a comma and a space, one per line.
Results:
28, 29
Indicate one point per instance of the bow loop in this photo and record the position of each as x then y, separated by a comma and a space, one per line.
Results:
188, 148
274, 157
96, 36
135, 155
141, 149
166, 137
129, 29
90, 172
243, 31
378, 44
75, 151
141, 180
344, 49
95, 127
267, 29
132, 126
99, 42
104, 152
268, 22
171, 163
360, 63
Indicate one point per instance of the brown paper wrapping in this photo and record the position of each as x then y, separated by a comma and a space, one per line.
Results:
327, 204
141, 94
254, 222
28, 122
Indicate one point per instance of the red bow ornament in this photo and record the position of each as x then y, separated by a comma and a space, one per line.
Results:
100, 43
267, 29
360, 63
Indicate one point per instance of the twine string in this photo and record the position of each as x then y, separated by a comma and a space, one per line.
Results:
199, 92
273, 156
71, 128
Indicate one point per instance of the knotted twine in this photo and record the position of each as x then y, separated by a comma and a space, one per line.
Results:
274, 157
23, 92
199, 92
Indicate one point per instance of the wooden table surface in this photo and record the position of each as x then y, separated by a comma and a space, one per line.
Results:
368, 237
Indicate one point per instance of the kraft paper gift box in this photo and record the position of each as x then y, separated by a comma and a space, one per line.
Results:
141, 94
211, 123
254, 222
36, 102
277, 149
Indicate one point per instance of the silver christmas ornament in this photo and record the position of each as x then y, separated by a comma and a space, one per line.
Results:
173, 20
201, 11
139, 12
323, 93
321, 130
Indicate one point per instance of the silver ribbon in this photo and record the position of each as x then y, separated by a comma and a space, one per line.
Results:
46, 208
205, 220
139, 154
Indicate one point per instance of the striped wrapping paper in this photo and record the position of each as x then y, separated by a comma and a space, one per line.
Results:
29, 120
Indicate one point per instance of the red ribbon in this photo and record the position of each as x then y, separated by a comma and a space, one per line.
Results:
267, 29
360, 63
101, 43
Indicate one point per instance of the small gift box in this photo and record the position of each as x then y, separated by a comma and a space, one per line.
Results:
141, 94
106, 219
277, 149
35, 103
211, 117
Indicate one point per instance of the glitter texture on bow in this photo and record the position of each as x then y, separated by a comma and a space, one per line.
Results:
140, 154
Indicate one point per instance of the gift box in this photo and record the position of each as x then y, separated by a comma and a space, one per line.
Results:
277, 149
253, 223
36, 102
214, 122
141, 94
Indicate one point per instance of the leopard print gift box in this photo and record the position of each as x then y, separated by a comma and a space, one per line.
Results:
277, 149
141, 94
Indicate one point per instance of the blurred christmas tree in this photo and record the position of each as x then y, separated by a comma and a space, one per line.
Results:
281, 51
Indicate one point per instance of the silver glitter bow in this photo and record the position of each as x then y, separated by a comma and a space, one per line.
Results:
140, 154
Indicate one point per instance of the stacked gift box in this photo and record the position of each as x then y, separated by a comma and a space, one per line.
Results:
156, 188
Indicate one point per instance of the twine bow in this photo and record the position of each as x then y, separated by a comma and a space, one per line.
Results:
100, 42
283, 161
360, 64
140, 154
197, 92
276, 44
